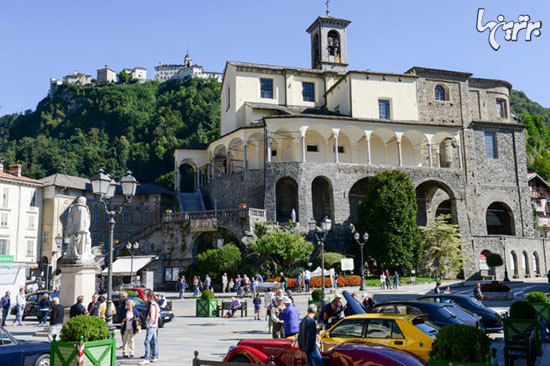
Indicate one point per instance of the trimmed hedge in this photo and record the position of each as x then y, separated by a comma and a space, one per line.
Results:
207, 294
316, 295
461, 343
522, 310
91, 328
537, 297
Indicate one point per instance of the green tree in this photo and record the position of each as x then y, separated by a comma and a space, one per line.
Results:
332, 260
123, 77
442, 244
388, 214
281, 250
494, 260
217, 261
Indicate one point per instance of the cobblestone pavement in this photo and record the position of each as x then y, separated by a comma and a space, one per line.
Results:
212, 337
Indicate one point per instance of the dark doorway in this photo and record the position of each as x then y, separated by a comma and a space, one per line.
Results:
357, 194
321, 197
286, 199
500, 220
187, 178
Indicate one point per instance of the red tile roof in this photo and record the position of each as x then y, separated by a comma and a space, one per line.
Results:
4, 175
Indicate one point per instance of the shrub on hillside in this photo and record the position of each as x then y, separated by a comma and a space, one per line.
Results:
90, 328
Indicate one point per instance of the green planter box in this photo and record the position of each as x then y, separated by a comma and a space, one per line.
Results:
543, 310
206, 307
516, 327
96, 353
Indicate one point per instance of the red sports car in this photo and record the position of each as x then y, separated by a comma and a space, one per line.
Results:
285, 352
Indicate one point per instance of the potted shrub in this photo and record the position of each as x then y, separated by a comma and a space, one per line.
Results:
522, 317
539, 302
315, 299
90, 333
494, 260
206, 305
460, 345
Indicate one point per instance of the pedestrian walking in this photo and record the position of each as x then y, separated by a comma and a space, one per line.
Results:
182, 285
259, 278
277, 324
307, 279
299, 282
44, 309
129, 327
230, 285
257, 305
20, 303
102, 308
207, 282
121, 308
335, 280
307, 338
282, 281
93, 306
5, 303
437, 289
151, 334
56, 319
382, 280
290, 318
388, 279
78, 308
195, 286
395, 280
224, 282
238, 281
477, 292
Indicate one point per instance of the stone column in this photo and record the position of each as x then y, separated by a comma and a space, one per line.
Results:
335, 131
268, 145
177, 182
227, 162
430, 155
399, 154
367, 140
303, 149
459, 156
213, 167
245, 165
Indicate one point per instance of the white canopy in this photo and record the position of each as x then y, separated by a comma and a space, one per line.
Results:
123, 265
328, 272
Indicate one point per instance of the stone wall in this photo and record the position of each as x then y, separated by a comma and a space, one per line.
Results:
229, 191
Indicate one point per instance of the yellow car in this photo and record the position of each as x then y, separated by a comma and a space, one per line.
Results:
406, 332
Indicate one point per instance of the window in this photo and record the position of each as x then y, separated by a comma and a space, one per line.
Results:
352, 328
308, 91
266, 88
33, 200
30, 248
5, 197
146, 217
32, 222
95, 215
384, 109
312, 148
273, 152
490, 145
4, 219
4, 246
46, 238
379, 328
126, 217
502, 108
340, 149
440, 93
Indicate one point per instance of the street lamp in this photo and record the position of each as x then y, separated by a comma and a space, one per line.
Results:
503, 243
104, 187
357, 236
131, 246
326, 224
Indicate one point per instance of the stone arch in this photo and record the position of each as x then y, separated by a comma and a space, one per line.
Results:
219, 156
430, 194
209, 240
499, 219
536, 264
236, 154
322, 198
286, 199
333, 42
255, 151
514, 264
316, 146
356, 194
285, 140
187, 173
344, 142
441, 92
525, 263
385, 153
445, 208
418, 141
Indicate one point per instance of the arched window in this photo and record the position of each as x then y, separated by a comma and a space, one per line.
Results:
441, 92
499, 219
333, 42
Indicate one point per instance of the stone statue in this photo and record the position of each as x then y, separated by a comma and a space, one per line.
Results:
293, 216
78, 232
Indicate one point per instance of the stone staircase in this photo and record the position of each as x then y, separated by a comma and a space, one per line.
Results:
191, 202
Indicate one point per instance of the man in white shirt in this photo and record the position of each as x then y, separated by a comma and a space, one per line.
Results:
307, 278
20, 303
224, 282
151, 335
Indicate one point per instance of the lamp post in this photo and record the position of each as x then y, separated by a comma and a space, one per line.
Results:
357, 238
503, 243
131, 246
104, 187
326, 224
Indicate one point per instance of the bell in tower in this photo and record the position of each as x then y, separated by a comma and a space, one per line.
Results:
329, 43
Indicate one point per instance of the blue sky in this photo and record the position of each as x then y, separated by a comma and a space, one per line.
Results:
42, 39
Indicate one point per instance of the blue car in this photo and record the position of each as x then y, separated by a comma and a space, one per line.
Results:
142, 308
15, 352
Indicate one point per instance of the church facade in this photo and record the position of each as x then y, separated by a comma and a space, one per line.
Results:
308, 139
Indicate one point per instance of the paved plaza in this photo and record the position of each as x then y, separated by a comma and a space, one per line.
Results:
212, 337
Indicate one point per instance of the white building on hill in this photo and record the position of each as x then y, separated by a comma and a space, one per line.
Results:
186, 71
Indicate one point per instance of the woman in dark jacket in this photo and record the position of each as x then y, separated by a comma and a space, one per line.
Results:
129, 327
44, 309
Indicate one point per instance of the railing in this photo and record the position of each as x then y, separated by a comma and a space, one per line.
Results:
219, 214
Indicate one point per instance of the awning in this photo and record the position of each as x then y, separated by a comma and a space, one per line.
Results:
123, 265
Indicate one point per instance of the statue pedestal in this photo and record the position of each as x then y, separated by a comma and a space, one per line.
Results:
77, 279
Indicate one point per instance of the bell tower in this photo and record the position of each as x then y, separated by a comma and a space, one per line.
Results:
329, 43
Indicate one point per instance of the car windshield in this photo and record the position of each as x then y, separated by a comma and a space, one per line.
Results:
474, 301
461, 313
427, 328
447, 310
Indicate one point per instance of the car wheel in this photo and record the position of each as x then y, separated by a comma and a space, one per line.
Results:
240, 358
42, 360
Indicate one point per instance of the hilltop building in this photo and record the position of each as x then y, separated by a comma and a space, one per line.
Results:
106, 75
308, 139
186, 71
137, 73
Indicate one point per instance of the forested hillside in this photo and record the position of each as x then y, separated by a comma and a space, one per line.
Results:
116, 127
537, 140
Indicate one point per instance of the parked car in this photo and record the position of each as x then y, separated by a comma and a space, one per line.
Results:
31, 308
286, 353
437, 314
405, 332
142, 308
15, 352
492, 321
137, 291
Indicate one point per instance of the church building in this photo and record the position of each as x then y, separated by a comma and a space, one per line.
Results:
308, 139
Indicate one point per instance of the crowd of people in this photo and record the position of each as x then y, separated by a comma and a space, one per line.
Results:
387, 281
